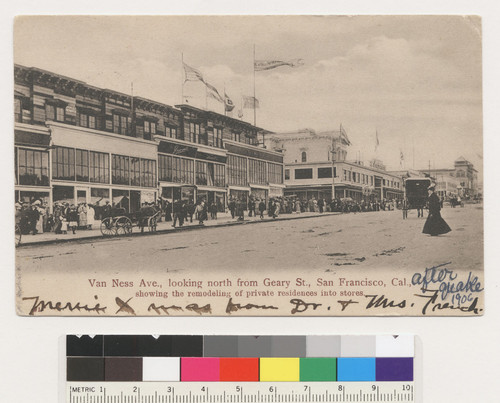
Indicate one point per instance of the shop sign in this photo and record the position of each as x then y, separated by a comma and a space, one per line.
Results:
253, 153
177, 149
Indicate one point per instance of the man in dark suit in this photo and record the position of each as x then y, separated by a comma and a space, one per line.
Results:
178, 213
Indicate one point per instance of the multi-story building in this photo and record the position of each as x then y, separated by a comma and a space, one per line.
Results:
77, 143
461, 180
316, 166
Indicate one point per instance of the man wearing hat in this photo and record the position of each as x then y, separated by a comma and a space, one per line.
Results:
435, 225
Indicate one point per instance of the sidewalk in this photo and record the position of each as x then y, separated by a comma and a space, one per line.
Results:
223, 220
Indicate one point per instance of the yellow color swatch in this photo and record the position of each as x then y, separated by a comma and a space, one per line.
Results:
279, 369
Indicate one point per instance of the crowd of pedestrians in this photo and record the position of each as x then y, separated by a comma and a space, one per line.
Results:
35, 218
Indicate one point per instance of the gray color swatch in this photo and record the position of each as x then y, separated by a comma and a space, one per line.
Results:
289, 346
323, 346
357, 346
220, 346
252, 346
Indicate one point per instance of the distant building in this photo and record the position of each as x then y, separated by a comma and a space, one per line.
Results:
310, 158
461, 180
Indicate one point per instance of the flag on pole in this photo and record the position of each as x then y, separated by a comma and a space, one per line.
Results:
213, 93
261, 65
250, 102
376, 140
192, 74
401, 157
228, 103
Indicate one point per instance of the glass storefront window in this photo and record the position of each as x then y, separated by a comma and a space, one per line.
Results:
275, 173
237, 170
220, 200
241, 195
202, 195
201, 173
121, 199
257, 171
175, 169
135, 171
259, 194
120, 171
63, 163
148, 173
99, 196
82, 165
99, 167
29, 197
187, 193
63, 194
33, 167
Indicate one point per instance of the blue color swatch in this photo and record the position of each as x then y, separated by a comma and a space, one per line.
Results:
355, 369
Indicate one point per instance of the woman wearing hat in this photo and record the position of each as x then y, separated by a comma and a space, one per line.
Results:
435, 225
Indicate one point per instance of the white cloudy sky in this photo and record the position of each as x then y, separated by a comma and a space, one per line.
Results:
415, 80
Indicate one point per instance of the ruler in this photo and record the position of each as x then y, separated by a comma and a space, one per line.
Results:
238, 392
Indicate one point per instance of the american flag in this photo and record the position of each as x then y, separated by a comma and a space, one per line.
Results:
192, 74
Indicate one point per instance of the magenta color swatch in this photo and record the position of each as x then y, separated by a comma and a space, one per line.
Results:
200, 369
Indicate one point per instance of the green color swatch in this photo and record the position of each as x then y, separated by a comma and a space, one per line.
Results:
318, 369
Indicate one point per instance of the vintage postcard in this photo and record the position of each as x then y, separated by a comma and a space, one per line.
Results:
248, 165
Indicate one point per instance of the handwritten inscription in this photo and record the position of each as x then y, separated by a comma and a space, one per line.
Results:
449, 284
439, 289
41, 305
234, 307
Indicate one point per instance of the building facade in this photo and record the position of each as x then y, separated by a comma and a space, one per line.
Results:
461, 180
316, 166
77, 143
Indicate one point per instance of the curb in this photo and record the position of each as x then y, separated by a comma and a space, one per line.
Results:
170, 230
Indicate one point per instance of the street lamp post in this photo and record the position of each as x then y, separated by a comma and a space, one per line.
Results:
333, 172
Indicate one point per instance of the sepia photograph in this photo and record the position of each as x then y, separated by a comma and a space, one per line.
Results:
248, 165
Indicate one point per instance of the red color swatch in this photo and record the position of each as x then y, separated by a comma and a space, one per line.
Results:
239, 369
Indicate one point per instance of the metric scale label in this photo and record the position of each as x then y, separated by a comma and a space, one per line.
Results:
238, 392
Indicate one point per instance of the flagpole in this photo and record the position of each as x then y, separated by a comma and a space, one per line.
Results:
254, 99
132, 107
182, 78
224, 103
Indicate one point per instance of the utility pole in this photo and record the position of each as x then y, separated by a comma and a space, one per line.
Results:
333, 168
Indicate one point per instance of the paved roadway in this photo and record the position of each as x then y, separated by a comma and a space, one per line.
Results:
362, 241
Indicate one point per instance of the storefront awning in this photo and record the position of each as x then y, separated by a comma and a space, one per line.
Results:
246, 189
211, 189
176, 185
253, 185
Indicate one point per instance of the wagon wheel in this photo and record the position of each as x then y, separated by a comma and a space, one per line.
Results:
152, 223
123, 225
18, 235
108, 227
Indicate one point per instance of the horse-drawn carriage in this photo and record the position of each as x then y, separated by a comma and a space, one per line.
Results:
119, 222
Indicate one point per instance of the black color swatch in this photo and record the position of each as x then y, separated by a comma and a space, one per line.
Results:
85, 369
187, 346
84, 346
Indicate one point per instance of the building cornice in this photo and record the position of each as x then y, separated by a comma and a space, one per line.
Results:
199, 147
251, 147
31, 128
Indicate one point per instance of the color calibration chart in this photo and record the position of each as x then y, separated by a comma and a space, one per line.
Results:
185, 369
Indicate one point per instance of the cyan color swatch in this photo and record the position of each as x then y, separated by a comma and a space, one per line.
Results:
355, 369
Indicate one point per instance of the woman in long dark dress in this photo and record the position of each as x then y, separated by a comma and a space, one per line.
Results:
435, 225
